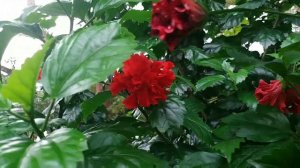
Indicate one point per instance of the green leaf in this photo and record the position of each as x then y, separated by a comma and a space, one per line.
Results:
228, 147
248, 98
12, 151
54, 9
268, 155
209, 81
232, 20
11, 126
138, 16
239, 76
10, 29
108, 149
104, 5
214, 63
267, 37
266, 125
72, 115
171, 114
4, 103
102, 141
62, 149
278, 67
202, 160
92, 54
290, 54
195, 123
252, 4
20, 85
272, 155
291, 39
90, 105
194, 54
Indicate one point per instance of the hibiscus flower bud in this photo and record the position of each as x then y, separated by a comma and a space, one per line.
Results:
271, 94
146, 81
174, 19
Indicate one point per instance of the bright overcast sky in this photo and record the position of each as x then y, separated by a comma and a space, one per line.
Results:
21, 46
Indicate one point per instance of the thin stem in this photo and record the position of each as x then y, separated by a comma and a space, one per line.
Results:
18, 116
48, 115
249, 10
64, 9
35, 127
70, 15
90, 21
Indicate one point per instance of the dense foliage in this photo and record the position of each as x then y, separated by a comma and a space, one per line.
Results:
174, 83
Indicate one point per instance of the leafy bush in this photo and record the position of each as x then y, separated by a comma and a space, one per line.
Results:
187, 88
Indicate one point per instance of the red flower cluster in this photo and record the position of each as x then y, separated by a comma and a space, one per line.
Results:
174, 19
273, 94
146, 81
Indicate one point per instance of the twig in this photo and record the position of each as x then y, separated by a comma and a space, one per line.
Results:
18, 116
48, 115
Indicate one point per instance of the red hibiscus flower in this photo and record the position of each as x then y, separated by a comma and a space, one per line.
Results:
286, 100
271, 94
146, 81
293, 100
174, 19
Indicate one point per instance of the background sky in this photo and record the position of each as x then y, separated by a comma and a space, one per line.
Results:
21, 46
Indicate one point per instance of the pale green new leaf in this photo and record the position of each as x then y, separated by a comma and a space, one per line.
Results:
20, 85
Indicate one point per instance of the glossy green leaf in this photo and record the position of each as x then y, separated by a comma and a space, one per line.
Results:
12, 151
248, 98
280, 154
137, 16
228, 147
92, 54
195, 123
108, 150
9, 29
266, 125
277, 67
239, 76
253, 4
11, 126
290, 54
4, 103
267, 37
103, 5
62, 149
90, 105
194, 54
170, 115
214, 63
20, 85
203, 160
209, 81
72, 115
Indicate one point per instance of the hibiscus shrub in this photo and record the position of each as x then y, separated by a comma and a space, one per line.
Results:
155, 83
